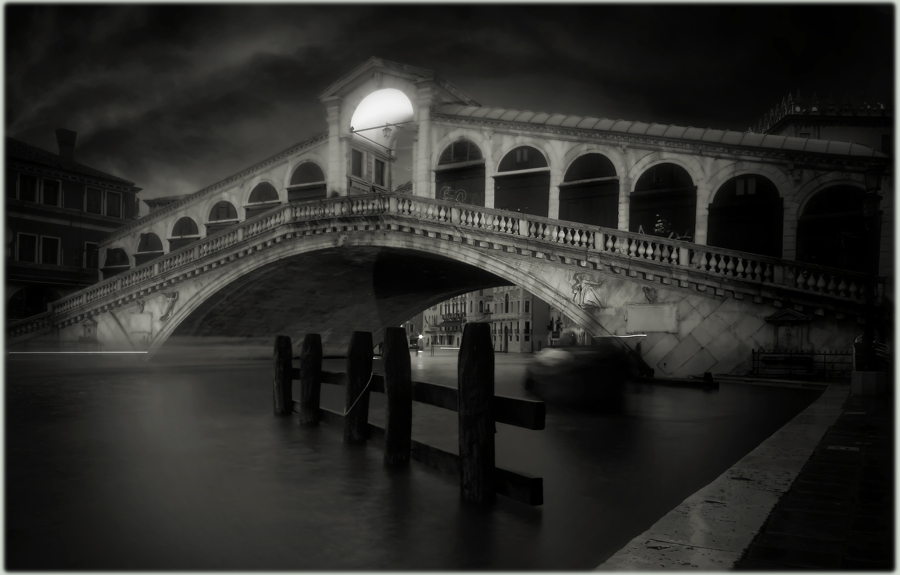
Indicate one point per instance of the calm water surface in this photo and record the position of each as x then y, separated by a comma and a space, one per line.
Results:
113, 463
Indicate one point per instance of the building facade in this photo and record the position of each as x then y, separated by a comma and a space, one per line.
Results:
58, 212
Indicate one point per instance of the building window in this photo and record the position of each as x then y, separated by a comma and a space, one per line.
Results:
379, 172
94, 201
27, 188
26, 248
356, 163
91, 255
50, 251
521, 155
113, 204
527, 307
51, 195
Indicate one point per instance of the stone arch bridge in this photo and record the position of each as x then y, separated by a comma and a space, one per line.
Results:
333, 266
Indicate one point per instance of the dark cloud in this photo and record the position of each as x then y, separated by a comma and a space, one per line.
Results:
176, 97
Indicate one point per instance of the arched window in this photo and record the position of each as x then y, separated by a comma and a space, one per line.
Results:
664, 203
832, 231
263, 197
481, 307
149, 247
184, 232
589, 193
116, 262
506, 306
518, 190
307, 183
459, 175
746, 215
221, 216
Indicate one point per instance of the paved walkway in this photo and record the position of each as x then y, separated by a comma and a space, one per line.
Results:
838, 514
817, 494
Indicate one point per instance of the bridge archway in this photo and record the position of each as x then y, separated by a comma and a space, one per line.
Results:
184, 232
460, 173
747, 214
589, 192
522, 182
222, 215
261, 198
376, 283
307, 182
664, 202
149, 247
831, 228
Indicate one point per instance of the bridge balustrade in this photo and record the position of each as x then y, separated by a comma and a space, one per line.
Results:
622, 246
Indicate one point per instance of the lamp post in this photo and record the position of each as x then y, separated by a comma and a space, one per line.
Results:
872, 220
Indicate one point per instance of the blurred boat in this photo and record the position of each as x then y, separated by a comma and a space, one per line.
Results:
580, 375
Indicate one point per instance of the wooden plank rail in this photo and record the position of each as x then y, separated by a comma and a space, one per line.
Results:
516, 485
478, 409
526, 413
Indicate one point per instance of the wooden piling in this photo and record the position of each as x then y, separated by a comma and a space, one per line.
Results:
398, 389
476, 420
284, 372
359, 370
310, 379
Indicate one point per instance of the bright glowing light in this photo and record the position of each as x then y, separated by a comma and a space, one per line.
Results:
388, 106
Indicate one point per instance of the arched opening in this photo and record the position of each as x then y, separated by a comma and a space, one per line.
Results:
522, 183
459, 176
307, 183
664, 203
116, 262
263, 198
381, 122
149, 247
183, 233
221, 216
480, 306
746, 215
589, 193
832, 231
29, 301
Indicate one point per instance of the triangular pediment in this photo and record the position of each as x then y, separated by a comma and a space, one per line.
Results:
364, 71
788, 316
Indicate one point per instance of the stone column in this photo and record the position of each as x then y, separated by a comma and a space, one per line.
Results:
701, 215
624, 202
556, 178
335, 176
422, 181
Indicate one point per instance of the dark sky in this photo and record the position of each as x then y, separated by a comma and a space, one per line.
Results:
177, 97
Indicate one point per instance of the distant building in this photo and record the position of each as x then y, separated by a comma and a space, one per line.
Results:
520, 322
57, 213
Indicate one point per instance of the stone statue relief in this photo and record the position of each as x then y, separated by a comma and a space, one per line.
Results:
171, 298
583, 292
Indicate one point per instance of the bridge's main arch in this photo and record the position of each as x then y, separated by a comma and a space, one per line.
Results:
365, 281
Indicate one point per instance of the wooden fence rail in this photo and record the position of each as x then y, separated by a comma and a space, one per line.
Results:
480, 479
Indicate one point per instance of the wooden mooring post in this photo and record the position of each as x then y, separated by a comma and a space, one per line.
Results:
310, 379
282, 388
398, 389
476, 418
359, 373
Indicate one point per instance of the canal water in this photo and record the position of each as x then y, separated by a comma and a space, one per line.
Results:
115, 463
